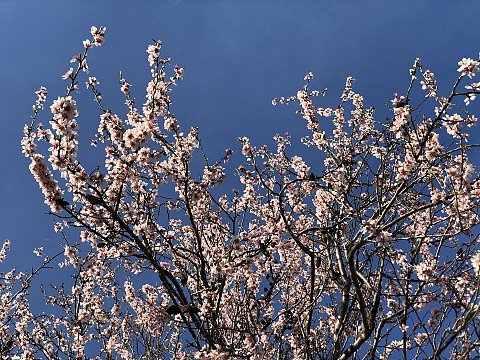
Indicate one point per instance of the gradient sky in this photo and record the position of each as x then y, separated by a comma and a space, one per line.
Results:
238, 55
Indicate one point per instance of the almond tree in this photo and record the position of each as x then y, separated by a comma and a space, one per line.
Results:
372, 254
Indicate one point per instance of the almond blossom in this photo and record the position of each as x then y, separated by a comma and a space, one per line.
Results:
368, 250
468, 67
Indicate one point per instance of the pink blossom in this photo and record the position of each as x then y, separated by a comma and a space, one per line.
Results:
98, 35
476, 263
154, 52
68, 74
468, 67
92, 81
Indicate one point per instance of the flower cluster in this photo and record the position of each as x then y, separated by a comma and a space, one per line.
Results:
98, 35
468, 67
46, 181
154, 52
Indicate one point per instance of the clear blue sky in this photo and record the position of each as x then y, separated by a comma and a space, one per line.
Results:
238, 55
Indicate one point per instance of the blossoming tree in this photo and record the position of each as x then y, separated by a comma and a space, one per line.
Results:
373, 254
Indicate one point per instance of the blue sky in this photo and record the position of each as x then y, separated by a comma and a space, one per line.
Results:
238, 55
